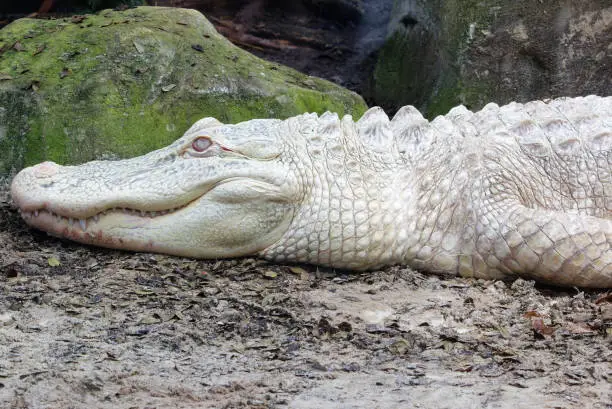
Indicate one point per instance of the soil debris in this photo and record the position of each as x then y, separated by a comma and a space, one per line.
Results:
90, 327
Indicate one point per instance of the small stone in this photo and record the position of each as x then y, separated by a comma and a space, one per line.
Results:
53, 261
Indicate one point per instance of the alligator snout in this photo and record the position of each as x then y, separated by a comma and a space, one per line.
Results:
28, 183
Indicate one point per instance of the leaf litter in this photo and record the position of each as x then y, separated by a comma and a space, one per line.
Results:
88, 327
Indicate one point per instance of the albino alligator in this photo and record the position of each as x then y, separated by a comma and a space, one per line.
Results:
511, 191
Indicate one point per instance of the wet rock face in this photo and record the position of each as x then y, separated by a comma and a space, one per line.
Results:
433, 54
331, 39
443, 53
430, 53
332, 10
123, 83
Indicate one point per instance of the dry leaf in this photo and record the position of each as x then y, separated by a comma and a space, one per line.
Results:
540, 328
531, 314
299, 271
607, 297
53, 261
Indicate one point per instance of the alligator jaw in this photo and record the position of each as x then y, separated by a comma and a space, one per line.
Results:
60, 221
96, 229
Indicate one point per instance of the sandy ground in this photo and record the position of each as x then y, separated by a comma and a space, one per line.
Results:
82, 327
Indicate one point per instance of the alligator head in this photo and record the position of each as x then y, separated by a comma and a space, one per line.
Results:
218, 191
316, 189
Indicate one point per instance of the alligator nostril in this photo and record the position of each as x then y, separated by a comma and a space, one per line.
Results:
45, 169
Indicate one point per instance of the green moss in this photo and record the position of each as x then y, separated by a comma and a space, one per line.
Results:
422, 61
460, 22
405, 72
443, 100
119, 84
16, 137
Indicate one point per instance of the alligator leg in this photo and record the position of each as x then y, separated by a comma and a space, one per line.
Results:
556, 247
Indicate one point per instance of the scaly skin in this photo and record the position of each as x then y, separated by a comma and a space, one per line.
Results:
512, 191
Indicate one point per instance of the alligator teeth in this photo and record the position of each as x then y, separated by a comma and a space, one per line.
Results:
96, 218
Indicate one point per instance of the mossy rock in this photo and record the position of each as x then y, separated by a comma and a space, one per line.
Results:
121, 83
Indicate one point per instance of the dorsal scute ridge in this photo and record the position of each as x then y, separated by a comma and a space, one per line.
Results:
329, 125
560, 132
563, 126
374, 130
327, 132
329, 117
591, 117
461, 118
488, 122
411, 131
407, 116
600, 137
445, 126
460, 111
522, 127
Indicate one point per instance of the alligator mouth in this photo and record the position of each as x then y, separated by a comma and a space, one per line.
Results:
194, 224
85, 223
105, 228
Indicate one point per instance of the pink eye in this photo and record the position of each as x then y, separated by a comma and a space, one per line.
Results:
201, 144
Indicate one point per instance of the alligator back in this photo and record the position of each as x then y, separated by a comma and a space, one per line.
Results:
529, 187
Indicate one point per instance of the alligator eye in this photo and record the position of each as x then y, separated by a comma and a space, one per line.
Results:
201, 144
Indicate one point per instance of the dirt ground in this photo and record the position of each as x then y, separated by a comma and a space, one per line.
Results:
83, 327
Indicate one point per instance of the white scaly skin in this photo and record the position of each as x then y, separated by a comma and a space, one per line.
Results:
521, 190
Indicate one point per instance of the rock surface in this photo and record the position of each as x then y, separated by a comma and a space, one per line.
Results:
119, 84
443, 53
437, 54
332, 39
